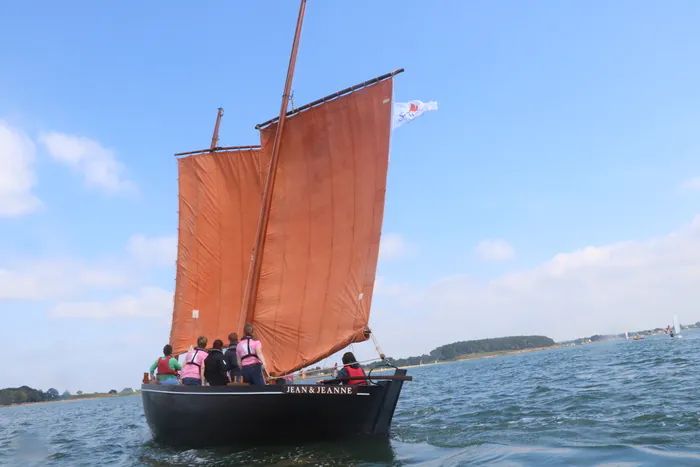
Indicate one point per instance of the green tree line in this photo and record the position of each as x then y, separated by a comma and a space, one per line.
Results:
465, 348
25, 394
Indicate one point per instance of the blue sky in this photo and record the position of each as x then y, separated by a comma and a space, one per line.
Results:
561, 126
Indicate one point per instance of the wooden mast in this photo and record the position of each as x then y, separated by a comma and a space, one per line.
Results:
215, 137
252, 285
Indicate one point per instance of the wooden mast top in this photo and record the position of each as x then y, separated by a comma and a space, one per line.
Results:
215, 136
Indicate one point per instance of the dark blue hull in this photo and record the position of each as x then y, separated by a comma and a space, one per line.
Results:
205, 416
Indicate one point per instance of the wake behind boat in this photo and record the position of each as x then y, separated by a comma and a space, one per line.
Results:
284, 236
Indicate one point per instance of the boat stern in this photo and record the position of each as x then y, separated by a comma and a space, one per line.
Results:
387, 404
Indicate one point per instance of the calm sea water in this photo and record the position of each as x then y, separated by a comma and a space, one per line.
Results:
623, 403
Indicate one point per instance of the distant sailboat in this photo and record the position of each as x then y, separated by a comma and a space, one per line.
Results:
627, 336
676, 332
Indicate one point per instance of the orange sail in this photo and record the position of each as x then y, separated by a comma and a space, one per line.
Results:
321, 245
220, 196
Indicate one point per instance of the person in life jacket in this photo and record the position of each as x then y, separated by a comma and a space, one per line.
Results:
193, 369
167, 366
250, 358
351, 369
230, 356
215, 370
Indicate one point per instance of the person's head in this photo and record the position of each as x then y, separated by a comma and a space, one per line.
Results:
202, 342
248, 329
168, 350
233, 338
218, 343
349, 358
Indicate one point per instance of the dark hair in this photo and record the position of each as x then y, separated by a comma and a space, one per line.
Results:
248, 329
167, 350
218, 344
233, 337
348, 358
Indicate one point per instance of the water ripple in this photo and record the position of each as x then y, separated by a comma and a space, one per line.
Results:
624, 403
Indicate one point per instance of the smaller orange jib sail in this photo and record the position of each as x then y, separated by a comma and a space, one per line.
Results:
220, 193
321, 245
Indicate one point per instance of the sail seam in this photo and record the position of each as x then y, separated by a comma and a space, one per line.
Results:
220, 258
329, 158
308, 251
354, 216
241, 247
198, 242
178, 264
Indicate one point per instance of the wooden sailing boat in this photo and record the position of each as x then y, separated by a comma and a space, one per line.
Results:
308, 202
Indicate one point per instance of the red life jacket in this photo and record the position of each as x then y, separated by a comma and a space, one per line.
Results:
164, 366
354, 372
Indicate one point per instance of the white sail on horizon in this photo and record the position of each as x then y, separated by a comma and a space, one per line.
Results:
676, 326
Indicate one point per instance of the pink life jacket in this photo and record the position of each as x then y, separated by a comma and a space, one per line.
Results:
246, 352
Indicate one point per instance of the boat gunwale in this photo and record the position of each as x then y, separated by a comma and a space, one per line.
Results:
243, 390
157, 391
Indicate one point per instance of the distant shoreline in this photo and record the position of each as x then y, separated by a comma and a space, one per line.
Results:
73, 399
477, 356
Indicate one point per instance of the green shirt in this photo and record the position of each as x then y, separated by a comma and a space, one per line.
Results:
173, 364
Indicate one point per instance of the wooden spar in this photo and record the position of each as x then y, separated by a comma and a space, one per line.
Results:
215, 137
252, 286
335, 95
225, 148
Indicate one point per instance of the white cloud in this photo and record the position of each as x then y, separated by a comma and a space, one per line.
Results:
148, 302
393, 246
66, 278
495, 250
595, 290
692, 184
157, 251
384, 288
135, 351
17, 178
99, 300
54, 279
98, 165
